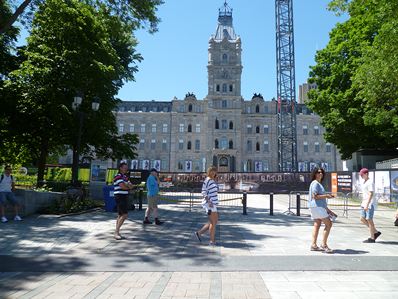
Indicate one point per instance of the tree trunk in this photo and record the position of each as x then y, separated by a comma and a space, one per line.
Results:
41, 164
15, 16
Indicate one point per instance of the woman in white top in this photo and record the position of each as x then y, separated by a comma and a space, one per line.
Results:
209, 203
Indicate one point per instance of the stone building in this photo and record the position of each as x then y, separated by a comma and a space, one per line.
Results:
223, 129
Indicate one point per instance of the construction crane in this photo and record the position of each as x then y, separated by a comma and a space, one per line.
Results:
286, 88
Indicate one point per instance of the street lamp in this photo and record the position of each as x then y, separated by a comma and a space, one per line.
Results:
77, 101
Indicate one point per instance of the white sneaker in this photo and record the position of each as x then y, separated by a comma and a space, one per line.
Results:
4, 219
17, 218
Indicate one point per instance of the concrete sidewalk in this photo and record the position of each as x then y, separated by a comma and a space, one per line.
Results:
257, 256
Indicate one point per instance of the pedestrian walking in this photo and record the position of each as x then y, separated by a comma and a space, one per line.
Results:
7, 188
122, 185
368, 205
319, 210
210, 203
152, 185
396, 218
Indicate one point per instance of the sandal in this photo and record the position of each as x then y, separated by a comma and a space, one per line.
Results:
315, 248
118, 237
326, 249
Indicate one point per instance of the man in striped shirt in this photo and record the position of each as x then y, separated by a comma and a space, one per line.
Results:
121, 185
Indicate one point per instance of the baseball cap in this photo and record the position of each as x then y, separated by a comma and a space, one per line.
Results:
363, 171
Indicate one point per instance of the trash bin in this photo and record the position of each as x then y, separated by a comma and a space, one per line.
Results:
109, 198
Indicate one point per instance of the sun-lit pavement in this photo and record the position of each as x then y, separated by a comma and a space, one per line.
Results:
257, 256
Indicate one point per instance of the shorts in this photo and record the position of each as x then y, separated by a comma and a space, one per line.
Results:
152, 201
122, 203
368, 215
9, 196
207, 208
318, 213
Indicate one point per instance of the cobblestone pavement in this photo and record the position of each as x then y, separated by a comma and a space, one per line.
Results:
257, 256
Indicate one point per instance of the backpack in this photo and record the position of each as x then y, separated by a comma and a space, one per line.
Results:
2, 177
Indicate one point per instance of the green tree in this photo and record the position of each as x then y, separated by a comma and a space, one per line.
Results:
72, 48
137, 13
340, 100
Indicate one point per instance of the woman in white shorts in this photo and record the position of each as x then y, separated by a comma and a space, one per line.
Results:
210, 203
319, 210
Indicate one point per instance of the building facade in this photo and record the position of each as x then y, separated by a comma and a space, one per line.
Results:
223, 129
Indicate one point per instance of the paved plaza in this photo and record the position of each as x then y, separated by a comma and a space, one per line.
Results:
257, 256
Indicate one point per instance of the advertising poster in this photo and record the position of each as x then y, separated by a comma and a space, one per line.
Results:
325, 166
394, 185
344, 182
156, 164
382, 186
134, 164
302, 166
333, 178
258, 166
145, 164
312, 166
357, 182
188, 166
98, 171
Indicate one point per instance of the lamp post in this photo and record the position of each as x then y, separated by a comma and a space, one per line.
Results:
77, 101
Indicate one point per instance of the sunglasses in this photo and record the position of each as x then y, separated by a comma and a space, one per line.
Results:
320, 171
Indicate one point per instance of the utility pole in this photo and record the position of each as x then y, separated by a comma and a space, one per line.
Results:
286, 87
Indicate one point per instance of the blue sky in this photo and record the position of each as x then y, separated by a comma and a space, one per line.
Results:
175, 57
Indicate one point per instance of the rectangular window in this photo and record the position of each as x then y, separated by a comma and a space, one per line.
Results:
121, 128
249, 129
153, 144
305, 144
305, 130
142, 144
316, 130
153, 128
164, 145
317, 147
142, 128
266, 129
181, 144
224, 104
197, 145
181, 128
265, 166
197, 130
224, 125
131, 128
328, 147
266, 146
249, 146
164, 128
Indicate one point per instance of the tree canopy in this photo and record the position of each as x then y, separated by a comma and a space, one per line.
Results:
356, 76
73, 48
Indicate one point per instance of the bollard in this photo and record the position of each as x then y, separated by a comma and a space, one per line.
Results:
244, 203
271, 204
140, 195
298, 203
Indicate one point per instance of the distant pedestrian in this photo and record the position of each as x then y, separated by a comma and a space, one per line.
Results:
152, 185
368, 205
396, 218
7, 188
210, 203
319, 210
122, 185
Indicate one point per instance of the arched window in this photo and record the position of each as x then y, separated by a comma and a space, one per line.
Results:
190, 108
189, 145
218, 87
217, 125
231, 88
224, 57
231, 144
257, 109
223, 161
231, 125
257, 129
257, 146
189, 128
216, 143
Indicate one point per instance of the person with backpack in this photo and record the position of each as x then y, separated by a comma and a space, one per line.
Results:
7, 187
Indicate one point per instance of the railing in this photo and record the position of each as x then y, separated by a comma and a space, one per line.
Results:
298, 200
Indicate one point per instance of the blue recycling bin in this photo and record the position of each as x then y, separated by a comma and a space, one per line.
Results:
109, 198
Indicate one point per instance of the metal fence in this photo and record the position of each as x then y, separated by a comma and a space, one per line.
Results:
298, 200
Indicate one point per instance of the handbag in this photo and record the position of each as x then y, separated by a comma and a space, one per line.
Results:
396, 222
